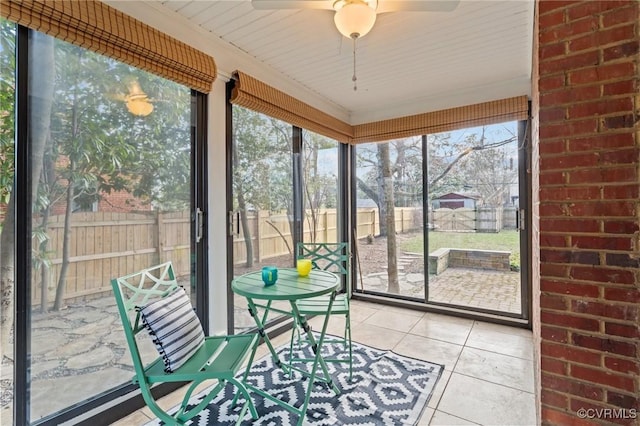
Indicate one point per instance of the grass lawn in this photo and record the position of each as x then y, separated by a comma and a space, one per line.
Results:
504, 240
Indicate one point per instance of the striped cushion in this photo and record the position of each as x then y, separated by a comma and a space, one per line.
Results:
174, 328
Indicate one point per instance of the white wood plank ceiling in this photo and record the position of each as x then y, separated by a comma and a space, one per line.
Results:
410, 62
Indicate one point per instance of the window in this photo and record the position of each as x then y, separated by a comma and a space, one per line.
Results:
320, 188
437, 219
262, 196
111, 154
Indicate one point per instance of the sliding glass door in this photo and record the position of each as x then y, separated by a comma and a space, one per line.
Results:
474, 238
439, 219
390, 218
262, 215
285, 188
320, 188
105, 186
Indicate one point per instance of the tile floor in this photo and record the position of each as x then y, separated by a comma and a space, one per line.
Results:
488, 377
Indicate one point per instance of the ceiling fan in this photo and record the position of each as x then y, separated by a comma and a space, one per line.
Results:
355, 18
358, 16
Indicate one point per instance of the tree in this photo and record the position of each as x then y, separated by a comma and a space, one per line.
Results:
454, 166
76, 158
245, 125
261, 179
7, 94
393, 172
319, 189
389, 218
98, 146
490, 167
405, 157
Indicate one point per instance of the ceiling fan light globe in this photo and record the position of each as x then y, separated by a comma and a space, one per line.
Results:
354, 20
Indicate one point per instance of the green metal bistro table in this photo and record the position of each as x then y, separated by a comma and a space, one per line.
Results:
290, 287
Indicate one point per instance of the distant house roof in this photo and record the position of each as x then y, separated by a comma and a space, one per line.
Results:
457, 196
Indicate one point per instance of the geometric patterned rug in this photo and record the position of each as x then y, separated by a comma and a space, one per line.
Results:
386, 389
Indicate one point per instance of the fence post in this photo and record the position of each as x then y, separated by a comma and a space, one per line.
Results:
373, 222
326, 227
161, 234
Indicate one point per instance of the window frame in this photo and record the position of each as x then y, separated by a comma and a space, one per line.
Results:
96, 407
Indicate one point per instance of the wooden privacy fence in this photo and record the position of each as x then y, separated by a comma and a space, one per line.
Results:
104, 245
270, 230
406, 218
481, 219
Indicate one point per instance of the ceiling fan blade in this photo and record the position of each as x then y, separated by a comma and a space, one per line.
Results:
417, 5
292, 4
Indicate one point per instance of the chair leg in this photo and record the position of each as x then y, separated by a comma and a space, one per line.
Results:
346, 343
248, 401
183, 415
160, 413
347, 326
247, 370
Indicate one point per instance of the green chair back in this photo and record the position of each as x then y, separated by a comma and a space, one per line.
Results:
138, 289
333, 257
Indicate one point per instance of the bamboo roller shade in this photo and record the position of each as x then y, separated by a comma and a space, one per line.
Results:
258, 96
99, 27
482, 114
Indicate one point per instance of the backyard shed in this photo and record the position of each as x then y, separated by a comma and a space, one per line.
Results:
454, 200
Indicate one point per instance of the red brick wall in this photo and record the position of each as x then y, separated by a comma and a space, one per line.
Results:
116, 201
589, 138
121, 201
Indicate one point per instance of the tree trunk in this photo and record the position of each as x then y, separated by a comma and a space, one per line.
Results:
242, 205
383, 151
66, 251
389, 218
246, 232
66, 240
41, 94
48, 176
44, 269
312, 198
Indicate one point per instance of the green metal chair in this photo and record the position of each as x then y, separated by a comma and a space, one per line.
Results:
219, 358
332, 257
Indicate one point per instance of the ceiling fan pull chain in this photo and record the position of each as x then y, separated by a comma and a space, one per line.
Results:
354, 78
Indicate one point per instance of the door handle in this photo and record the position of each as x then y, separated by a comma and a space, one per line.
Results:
199, 218
521, 221
234, 223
